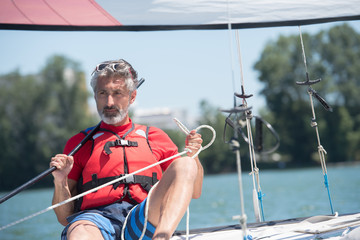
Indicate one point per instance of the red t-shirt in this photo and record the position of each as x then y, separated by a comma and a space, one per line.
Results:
161, 146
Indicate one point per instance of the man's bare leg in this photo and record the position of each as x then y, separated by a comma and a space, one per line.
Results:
171, 197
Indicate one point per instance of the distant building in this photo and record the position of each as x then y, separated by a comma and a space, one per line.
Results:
161, 117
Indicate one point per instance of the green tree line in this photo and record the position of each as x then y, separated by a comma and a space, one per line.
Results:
333, 56
40, 112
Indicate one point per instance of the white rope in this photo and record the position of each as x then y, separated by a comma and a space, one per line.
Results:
321, 149
187, 223
186, 131
145, 217
125, 222
254, 168
109, 183
254, 173
91, 191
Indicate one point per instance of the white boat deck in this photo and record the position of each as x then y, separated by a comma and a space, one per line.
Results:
346, 227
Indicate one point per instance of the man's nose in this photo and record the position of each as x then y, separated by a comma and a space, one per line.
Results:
110, 100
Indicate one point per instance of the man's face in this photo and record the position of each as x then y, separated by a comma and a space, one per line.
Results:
113, 100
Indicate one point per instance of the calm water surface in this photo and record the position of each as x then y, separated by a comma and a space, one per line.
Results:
288, 194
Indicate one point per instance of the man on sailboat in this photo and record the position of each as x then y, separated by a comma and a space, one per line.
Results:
118, 148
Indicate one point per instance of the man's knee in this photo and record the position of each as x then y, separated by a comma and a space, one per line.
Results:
82, 230
185, 167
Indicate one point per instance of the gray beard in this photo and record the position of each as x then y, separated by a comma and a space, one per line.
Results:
114, 118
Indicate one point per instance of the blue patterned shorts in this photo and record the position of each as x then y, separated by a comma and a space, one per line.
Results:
110, 219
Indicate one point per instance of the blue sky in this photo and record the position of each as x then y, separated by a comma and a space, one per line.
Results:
181, 68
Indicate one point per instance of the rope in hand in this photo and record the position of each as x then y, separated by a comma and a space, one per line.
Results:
186, 131
116, 180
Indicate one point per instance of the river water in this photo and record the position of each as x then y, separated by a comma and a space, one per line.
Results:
287, 194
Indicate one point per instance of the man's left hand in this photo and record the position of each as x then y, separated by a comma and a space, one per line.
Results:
193, 142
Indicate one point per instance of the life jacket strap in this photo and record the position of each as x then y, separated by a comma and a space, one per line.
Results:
118, 142
146, 182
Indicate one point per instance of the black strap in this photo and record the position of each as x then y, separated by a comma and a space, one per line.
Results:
85, 132
147, 137
146, 182
119, 142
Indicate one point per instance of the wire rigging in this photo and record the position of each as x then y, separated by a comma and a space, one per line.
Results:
234, 143
257, 194
314, 124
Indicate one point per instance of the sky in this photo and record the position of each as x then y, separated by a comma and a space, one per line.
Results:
180, 68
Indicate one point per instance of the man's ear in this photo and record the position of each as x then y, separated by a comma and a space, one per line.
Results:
133, 97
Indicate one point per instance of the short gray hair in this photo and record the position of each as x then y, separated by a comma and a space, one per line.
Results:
115, 68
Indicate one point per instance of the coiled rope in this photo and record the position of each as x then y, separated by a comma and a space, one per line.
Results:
182, 127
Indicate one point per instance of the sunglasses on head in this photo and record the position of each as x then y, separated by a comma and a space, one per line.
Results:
112, 66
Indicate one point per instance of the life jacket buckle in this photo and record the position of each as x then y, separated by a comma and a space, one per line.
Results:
129, 179
118, 142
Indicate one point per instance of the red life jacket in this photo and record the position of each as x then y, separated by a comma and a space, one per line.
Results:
113, 156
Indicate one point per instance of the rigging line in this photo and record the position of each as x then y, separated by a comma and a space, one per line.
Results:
108, 183
303, 49
235, 142
242, 218
255, 171
241, 67
314, 124
257, 194
231, 50
320, 147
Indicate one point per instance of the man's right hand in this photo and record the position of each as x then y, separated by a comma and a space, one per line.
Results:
63, 164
